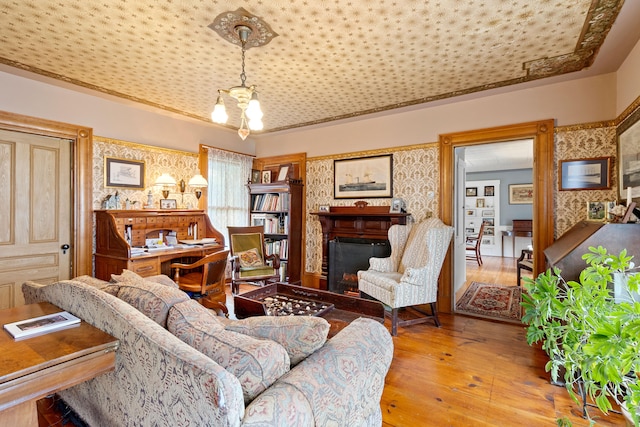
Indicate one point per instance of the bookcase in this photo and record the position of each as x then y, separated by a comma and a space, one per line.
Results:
278, 208
482, 204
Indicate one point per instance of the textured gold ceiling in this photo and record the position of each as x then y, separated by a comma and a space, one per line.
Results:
330, 60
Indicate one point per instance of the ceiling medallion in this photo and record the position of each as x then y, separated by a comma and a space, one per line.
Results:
226, 23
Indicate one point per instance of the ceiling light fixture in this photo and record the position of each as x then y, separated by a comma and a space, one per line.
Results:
240, 27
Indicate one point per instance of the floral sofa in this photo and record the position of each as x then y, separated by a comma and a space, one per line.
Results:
180, 364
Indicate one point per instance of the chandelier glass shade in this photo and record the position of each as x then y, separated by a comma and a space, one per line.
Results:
245, 96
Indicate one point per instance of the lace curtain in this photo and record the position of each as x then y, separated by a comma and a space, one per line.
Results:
228, 196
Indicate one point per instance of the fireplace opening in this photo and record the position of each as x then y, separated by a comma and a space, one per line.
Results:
348, 255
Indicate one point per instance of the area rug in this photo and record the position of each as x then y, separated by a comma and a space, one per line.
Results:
491, 301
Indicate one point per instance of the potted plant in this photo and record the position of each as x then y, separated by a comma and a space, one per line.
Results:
592, 339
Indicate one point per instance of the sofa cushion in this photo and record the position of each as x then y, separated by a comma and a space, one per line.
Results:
128, 275
152, 299
256, 363
91, 281
299, 335
113, 286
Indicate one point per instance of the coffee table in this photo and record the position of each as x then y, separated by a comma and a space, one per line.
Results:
339, 310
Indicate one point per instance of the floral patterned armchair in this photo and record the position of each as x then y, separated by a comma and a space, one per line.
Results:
409, 277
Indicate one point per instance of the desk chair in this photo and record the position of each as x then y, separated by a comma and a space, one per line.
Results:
249, 259
525, 262
206, 280
473, 246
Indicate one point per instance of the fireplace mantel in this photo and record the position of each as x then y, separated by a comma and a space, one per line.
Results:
364, 222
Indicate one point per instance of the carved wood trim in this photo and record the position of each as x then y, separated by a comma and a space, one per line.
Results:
82, 178
542, 133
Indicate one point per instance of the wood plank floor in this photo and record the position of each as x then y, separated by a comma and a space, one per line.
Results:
470, 372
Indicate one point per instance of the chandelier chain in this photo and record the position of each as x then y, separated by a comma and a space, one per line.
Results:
243, 76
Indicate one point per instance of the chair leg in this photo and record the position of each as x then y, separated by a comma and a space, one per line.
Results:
394, 322
478, 256
519, 274
435, 314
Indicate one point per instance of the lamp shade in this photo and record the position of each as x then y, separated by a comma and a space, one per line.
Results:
198, 181
165, 179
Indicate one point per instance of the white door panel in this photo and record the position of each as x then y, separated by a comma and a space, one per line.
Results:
35, 212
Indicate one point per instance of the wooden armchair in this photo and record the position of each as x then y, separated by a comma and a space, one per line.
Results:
249, 261
525, 262
205, 280
473, 246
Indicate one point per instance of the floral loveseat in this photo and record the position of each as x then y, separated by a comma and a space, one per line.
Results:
179, 364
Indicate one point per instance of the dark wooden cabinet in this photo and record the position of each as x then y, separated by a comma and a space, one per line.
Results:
361, 222
566, 252
278, 207
118, 231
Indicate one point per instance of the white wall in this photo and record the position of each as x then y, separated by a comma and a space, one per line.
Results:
628, 80
113, 118
585, 100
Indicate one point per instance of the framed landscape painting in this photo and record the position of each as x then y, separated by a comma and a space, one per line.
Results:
123, 173
629, 156
363, 177
585, 174
520, 194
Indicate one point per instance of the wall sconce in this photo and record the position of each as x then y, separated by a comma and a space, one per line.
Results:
165, 181
198, 182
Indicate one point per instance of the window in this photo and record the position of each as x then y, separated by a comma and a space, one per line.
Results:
228, 199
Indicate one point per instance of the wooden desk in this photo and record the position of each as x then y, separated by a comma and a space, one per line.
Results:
35, 367
150, 264
513, 234
117, 231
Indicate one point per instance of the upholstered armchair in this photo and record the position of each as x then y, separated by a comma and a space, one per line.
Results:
249, 259
409, 277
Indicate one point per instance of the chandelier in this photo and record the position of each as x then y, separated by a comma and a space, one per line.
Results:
240, 27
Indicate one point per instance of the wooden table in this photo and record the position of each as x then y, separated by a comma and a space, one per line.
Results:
33, 368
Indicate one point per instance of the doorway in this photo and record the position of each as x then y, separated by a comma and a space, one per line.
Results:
80, 187
485, 279
541, 132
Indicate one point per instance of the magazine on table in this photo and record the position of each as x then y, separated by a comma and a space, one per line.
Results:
41, 325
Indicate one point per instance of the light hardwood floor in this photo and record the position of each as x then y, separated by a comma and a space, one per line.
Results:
494, 269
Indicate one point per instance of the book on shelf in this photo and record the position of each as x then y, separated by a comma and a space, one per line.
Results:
41, 325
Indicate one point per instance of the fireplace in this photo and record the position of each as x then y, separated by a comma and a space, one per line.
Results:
354, 222
347, 256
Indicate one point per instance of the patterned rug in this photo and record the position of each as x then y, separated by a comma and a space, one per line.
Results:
491, 301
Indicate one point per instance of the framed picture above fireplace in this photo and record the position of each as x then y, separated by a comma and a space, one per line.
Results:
363, 177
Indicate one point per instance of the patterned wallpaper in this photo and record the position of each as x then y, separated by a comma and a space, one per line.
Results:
178, 164
580, 143
415, 173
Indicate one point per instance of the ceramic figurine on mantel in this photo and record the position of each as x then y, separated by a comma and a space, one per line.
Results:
149, 204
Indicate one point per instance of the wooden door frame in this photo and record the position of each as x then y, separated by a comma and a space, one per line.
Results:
542, 133
81, 180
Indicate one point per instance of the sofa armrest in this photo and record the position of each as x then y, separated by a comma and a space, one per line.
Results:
321, 381
153, 367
